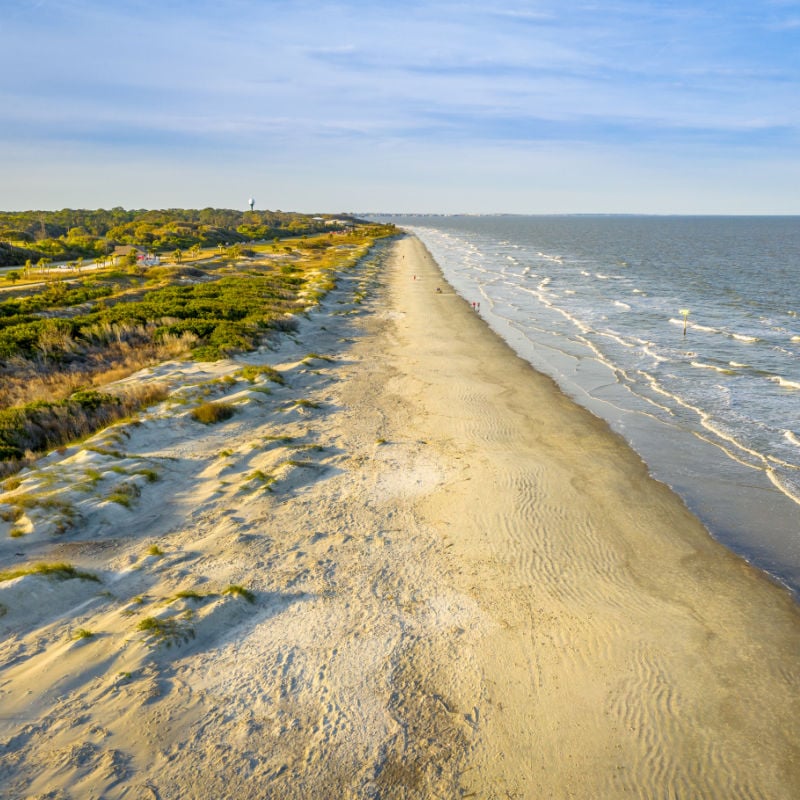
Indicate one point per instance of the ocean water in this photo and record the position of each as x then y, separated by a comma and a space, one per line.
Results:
599, 303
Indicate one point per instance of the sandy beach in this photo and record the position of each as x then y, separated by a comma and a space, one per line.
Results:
414, 569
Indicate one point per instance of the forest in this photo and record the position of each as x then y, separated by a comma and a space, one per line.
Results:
79, 233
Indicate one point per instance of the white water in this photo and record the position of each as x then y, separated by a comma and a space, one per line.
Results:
598, 303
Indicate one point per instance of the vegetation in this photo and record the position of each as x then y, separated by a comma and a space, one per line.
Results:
209, 413
124, 494
60, 571
240, 591
191, 594
66, 334
270, 373
75, 233
303, 403
164, 631
316, 357
43, 424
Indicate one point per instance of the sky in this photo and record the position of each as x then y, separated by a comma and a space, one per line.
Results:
558, 106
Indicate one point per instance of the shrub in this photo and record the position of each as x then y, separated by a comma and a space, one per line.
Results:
209, 413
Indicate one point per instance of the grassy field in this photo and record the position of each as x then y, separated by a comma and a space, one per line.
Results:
66, 334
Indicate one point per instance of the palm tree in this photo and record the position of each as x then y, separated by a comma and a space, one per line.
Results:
177, 255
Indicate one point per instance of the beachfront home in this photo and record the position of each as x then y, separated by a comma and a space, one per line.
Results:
122, 253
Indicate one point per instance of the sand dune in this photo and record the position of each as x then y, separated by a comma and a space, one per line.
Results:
414, 569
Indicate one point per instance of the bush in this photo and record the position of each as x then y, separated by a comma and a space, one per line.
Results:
209, 413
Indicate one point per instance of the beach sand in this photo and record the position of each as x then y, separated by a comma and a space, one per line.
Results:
459, 584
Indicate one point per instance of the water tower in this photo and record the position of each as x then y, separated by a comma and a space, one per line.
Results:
251, 202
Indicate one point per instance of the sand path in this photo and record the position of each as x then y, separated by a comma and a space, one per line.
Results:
462, 586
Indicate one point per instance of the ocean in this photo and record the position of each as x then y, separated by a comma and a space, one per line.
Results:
681, 332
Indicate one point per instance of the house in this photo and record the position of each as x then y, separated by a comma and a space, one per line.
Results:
122, 252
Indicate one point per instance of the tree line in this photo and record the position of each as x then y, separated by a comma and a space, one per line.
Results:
81, 233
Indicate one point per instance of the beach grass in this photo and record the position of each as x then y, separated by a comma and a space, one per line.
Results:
59, 571
213, 412
239, 591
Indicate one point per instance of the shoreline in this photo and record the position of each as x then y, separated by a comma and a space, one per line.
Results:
632, 553
737, 492
463, 584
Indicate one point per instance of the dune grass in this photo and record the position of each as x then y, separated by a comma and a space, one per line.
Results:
211, 413
60, 571
164, 631
252, 373
240, 591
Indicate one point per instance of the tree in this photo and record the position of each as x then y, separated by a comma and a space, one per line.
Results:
14, 275
28, 267
177, 256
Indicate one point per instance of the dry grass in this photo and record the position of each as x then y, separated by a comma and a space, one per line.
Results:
25, 381
210, 413
33, 428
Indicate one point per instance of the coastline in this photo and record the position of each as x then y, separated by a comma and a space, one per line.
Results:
465, 585
738, 482
638, 625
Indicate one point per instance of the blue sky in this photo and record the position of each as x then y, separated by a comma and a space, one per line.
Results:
527, 107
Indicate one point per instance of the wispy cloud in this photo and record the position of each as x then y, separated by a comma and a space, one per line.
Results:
284, 82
